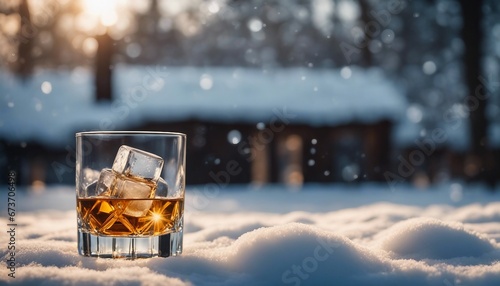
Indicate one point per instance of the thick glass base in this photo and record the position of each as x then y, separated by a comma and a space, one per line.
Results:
130, 247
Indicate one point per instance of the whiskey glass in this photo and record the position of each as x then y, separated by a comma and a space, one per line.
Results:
130, 193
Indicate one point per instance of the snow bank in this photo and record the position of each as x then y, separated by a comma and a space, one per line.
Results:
300, 252
39, 275
417, 241
424, 238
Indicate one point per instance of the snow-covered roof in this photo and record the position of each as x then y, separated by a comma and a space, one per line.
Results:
54, 104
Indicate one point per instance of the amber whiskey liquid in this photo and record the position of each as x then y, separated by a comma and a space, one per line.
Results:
108, 216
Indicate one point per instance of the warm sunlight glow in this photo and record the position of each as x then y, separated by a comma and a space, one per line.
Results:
105, 10
156, 217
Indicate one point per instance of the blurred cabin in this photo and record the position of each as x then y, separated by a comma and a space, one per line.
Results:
243, 126
295, 155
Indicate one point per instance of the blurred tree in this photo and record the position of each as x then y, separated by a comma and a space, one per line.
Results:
26, 34
478, 165
283, 33
39, 34
55, 44
21, 44
366, 17
139, 45
103, 68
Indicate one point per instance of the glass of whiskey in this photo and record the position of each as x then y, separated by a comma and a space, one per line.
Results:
130, 193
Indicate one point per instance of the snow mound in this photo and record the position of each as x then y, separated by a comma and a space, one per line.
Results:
232, 232
39, 275
293, 252
426, 238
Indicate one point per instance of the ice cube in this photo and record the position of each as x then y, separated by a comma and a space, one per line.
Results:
132, 178
129, 188
137, 163
116, 186
106, 181
90, 189
90, 176
138, 208
162, 188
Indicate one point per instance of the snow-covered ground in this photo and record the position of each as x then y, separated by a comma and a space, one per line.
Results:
319, 235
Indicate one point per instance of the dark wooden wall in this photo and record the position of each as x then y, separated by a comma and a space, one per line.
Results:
323, 153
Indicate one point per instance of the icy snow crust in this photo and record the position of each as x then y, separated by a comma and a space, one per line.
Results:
316, 97
364, 237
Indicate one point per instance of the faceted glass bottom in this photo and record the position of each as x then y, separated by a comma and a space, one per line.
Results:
166, 245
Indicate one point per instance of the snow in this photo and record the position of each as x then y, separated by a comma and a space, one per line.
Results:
422, 238
319, 235
157, 93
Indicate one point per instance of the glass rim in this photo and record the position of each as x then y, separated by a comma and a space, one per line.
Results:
130, 133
